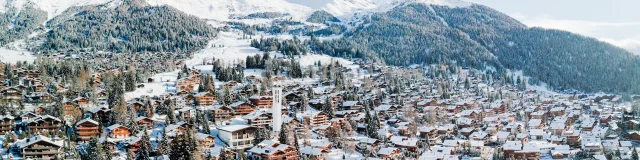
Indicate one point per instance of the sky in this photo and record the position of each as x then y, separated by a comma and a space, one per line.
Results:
613, 21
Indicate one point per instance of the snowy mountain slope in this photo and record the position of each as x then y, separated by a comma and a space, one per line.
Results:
52, 7
348, 7
220, 10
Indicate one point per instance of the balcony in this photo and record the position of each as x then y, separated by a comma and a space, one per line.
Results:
44, 127
41, 153
87, 133
246, 136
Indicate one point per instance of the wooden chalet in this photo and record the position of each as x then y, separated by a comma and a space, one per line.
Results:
71, 108
145, 122
11, 93
205, 99
132, 144
258, 118
87, 128
272, 150
6, 124
81, 101
101, 113
205, 140
315, 118
118, 131
389, 153
41, 147
242, 108
221, 112
43, 123
264, 102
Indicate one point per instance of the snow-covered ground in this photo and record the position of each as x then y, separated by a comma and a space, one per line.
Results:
231, 49
221, 10
163, 83
13, 56
52, 7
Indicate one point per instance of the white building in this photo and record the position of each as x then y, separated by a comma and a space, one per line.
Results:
237, 136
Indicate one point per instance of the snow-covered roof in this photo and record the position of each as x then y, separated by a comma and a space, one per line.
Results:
387, 150
39, 138
268, 146
311, 151
112, 127
512, 145
233, 128
87, 120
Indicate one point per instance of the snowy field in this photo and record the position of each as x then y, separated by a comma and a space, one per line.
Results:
231, 49
13, 56
163, 83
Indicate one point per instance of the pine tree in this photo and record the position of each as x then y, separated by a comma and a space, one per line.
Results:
261, 135
130, 82
148, 109
205, 124
171, 117
372, 126
93, 150
182, 147
327, 108
295, 143
211, 85
634, 153
282, 137
227, 96
130, 155
145, 147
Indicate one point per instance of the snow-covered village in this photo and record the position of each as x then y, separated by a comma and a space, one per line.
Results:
298, 80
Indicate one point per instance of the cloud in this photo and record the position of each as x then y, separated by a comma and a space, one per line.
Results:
621, 34
633, 45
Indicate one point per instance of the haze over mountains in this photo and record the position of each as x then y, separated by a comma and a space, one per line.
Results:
397, 32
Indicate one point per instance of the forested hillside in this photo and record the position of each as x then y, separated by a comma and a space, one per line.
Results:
15, 25
562, 59
408, 35
127, 28
322, 16
479, 36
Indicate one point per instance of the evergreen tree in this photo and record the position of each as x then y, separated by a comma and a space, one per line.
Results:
295, 143
227, 96
130, 82
181, 148
634, 153
130, 155
282, 136
145, 147
261, 135
148, 109
93, 150
205, 124
327, 108
171, 117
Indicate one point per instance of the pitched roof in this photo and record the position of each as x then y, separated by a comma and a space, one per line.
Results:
87, 120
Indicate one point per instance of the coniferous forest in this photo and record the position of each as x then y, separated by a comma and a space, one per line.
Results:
127, 28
